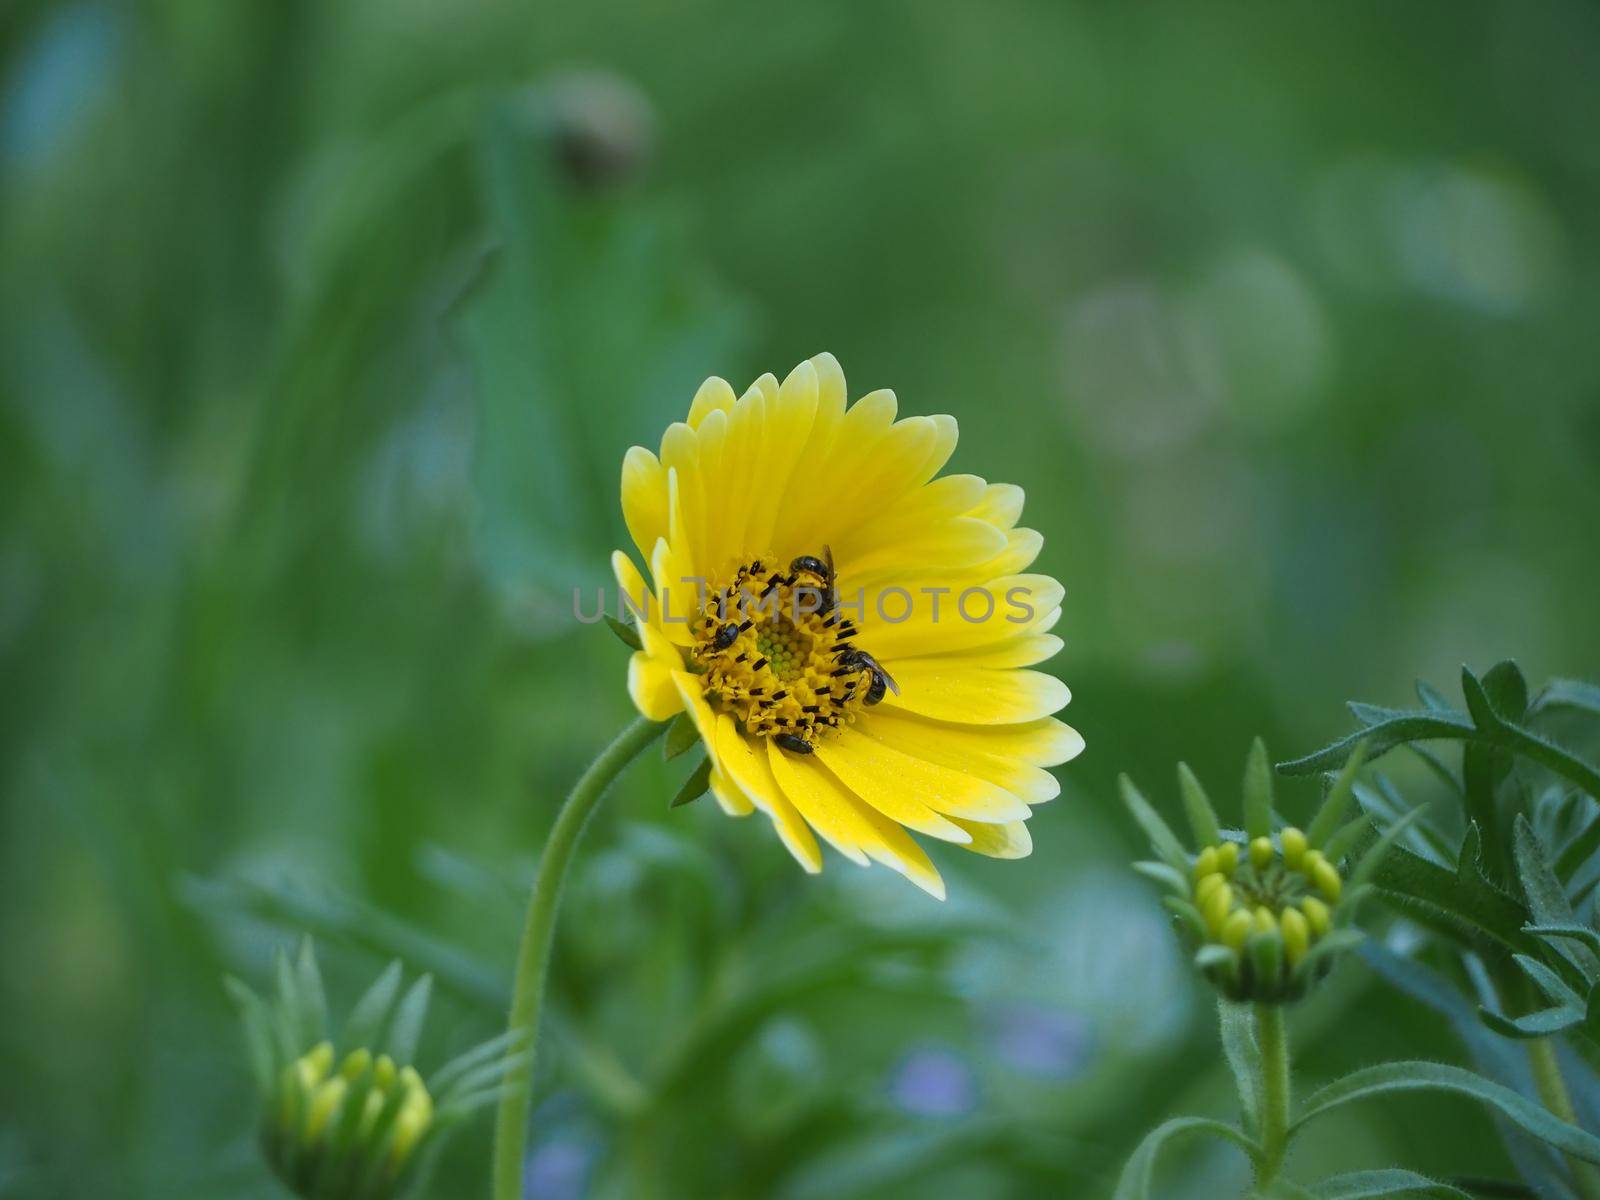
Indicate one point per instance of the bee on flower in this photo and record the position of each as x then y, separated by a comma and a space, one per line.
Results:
1268, 908
849, 634
356, 1119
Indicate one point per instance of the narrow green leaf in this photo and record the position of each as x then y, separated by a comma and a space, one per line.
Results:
1507, 690
1568, 693
1336, 805
1555, 989
1237, 1025
1139, 1174
264, 1064
1541, 1024
1202, 817
1346, 838
1398, 1077
1440, 898
1478, 705
626, 634
372, 1010
1168, 877
1382, 738
1547, 899
682, 735
1363, 871
408, 1021
1257, 791
1368, 1185
698, 783
503, 1048
1162, 839
1432, 698
313, 999
290, 1009
1577, 933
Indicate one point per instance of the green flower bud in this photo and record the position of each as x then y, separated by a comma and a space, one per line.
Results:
355, 1133
1254, 912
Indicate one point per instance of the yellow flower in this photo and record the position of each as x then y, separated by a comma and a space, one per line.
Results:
850, 635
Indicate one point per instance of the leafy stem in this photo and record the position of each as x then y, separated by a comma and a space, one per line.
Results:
533, 959
1553, 1091
1273, 1042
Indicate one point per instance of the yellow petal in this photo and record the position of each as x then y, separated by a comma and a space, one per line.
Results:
740, 762
675, 593
644, 497
827, 808
651, 688
972, 748
734, 802
888, 780
714, 396
952, 544
1001, 505
1026, 651
1009, 839
939, 622
975, 695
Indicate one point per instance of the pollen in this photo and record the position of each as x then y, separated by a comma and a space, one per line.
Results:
773, 649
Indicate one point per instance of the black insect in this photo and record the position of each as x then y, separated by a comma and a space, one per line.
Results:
793, 743
822, 570
882, 681
725, 637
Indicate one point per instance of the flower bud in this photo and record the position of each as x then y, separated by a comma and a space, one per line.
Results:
1228, 857
1296, 935
1260, 852
1294, 847
1317, 915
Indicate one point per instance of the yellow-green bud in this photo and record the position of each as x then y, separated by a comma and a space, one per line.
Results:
1207, 885
1317, 915
1294, 847
1236, 928
383, 1073
1228, 857
1265, 921
356, 1064
1326, 877
1205, 862
323, 1103
1217, 907
1296, 935
1260, 853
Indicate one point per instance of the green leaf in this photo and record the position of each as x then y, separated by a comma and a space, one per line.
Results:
1361, 874
1346, 838
372, 1010
1138, 1175
313, 999
1507, 690
1541, 1024
1162, 839
1568, 693
1432, 698
682, 735
1577, 933
698, 783
408, 1021
501, 1049
253, 1016
1202, 817
1397, 1077
1479, 707
1257, 791
1399, 729
1336, 805
1467, 909
1236, 1023
1168, 877
1555, 989
626, 634
1547, 899
1365, 1185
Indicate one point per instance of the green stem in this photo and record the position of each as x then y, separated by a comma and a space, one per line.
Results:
533, 960
1274, 1046
1553, 1091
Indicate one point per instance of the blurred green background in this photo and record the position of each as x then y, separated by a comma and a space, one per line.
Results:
323, 328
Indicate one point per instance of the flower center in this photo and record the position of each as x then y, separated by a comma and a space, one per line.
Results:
773, 649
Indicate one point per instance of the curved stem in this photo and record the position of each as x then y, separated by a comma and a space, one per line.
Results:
1273, 1042
1553, 1091
511, 1121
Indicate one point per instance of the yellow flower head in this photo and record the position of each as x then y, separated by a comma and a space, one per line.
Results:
849, 634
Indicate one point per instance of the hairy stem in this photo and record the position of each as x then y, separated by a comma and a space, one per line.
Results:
1553, 1091
1274, 1092
527, 999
